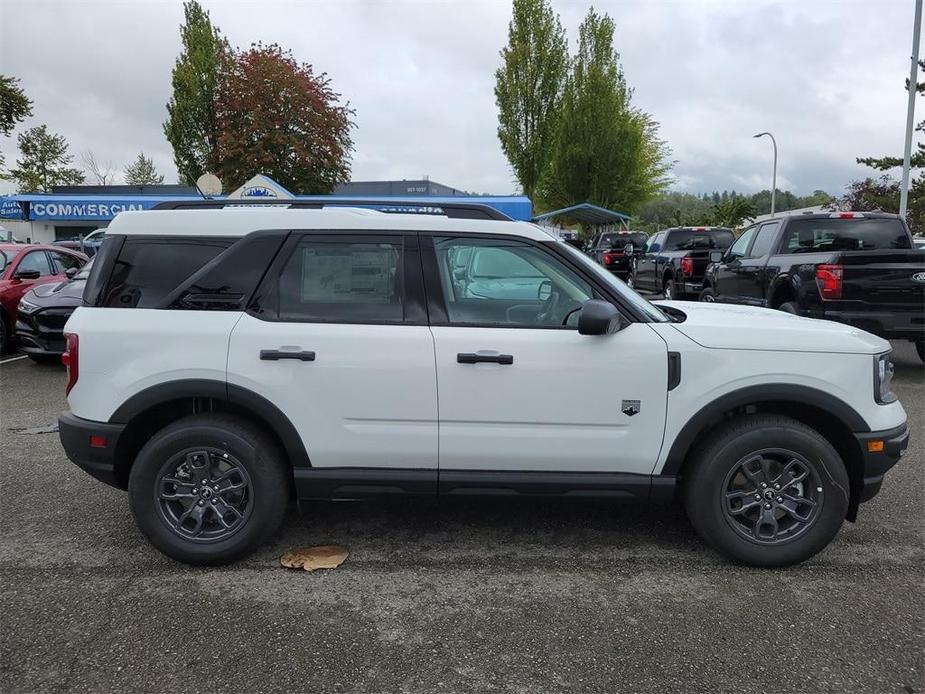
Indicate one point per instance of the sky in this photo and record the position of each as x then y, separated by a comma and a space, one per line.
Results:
825, 76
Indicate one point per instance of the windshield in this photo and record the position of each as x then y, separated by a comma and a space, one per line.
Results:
84, 272
608, 278
857, 234
689, 239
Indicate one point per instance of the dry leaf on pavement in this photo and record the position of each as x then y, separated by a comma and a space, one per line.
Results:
317, 557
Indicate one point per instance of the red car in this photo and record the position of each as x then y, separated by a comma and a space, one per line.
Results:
22, 266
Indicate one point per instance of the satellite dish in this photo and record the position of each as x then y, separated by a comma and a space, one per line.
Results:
209, 185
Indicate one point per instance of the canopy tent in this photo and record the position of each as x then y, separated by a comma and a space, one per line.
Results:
587, 215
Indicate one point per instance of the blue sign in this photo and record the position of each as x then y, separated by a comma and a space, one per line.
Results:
10, 209
84, 210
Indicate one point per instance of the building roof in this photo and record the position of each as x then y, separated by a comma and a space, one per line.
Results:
239, 220
586, 213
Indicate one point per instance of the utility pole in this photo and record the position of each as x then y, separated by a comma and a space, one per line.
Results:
774, 175
907, 152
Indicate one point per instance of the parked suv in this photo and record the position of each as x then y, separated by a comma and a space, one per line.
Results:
228, 359
858, 268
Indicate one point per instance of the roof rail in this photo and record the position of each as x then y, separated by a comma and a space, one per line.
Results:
460, 210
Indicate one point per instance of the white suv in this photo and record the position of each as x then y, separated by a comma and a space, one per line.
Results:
229, 359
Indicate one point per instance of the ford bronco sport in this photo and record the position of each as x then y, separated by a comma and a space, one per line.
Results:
226, 360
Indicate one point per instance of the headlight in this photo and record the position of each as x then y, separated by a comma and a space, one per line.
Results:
27, 307
883, 379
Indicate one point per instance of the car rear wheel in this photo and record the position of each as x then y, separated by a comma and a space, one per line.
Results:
766, 490
208, 489
669, 291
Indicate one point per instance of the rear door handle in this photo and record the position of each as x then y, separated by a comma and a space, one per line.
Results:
476, 357
276, 355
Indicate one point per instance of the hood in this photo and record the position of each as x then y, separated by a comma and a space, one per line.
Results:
67, 293
727, 326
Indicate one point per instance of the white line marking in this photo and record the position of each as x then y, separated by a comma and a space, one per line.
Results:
7, 361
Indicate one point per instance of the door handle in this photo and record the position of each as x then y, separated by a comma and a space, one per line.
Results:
276, 355
475, 358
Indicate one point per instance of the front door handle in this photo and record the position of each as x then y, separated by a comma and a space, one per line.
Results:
476, 357
276, 355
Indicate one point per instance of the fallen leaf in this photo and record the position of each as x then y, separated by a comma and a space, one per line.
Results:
317, 557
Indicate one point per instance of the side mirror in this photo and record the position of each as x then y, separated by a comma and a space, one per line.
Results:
599, 318
716, 256
27, 275
70, 272
628, 249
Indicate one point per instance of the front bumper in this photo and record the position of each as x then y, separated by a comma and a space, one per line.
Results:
97, 458
877, 462
42, 333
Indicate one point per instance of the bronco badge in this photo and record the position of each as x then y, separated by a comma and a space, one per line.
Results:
630, 407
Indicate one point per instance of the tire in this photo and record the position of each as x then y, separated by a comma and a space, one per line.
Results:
920, 348
790, 307
254, 509
722, 507
631, 278
708, 295
669, 290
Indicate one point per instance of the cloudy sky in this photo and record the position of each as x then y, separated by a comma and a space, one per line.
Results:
824, 76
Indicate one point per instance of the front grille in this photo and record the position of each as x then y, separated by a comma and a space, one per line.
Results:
51, 320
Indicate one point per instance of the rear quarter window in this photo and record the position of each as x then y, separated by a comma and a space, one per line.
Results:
147, 269
692, 239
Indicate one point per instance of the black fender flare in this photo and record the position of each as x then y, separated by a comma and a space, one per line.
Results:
755, 395
244, 398
788, 281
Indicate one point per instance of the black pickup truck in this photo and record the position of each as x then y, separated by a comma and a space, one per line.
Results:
674, 260
609, 249
858, 268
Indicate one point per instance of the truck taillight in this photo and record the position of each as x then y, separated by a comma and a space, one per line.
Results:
829, 280
687, 266
71, 360
611, 256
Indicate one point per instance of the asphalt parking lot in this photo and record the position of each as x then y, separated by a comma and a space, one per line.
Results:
475, 595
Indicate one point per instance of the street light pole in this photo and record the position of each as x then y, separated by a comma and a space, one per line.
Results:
907, 153
774, 175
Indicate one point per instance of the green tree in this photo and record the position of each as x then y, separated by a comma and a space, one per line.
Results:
15, 107
141, 172
275, 116
607, 152
44, 162
528, 89
733, 212
190, 124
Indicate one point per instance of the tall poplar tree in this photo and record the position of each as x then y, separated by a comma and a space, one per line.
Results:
528, 89
190, 124
607, 152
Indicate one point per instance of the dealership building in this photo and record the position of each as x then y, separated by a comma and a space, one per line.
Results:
72, 211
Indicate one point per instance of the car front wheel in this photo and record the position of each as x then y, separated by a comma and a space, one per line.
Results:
707, 294
208, 489
766, 490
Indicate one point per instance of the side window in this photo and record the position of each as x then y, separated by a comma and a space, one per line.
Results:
509, 283
737, 250
64, 262
764, 240
343, 282
654, 245
150, 268
36, 260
